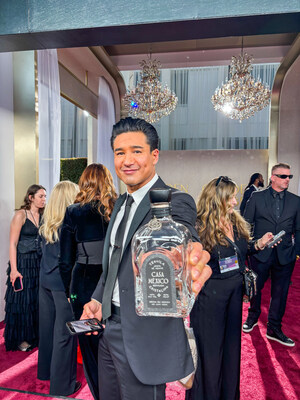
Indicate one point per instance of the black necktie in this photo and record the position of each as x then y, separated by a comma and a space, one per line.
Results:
277, 205
114, 262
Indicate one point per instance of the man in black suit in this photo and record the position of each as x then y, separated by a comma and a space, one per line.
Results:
274, 209
256, 181
138, 355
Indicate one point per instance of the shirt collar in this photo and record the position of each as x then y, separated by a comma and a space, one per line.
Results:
255, 187
139, 194
274, 193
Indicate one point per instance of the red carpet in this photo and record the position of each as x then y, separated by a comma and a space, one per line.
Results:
269, 371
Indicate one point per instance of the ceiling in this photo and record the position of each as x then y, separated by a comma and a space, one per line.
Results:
199, 52
92, 61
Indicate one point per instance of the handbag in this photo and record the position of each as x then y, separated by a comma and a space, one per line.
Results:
187, 381
249, 284
249, 277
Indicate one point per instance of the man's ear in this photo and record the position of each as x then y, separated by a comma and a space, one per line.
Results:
155, 155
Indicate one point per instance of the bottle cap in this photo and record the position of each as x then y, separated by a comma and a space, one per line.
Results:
160, 195
160, 202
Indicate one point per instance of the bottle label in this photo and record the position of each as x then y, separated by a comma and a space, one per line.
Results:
159, 292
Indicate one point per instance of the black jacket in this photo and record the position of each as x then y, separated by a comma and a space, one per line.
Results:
247, 195
81, 224
260, 215
49, 273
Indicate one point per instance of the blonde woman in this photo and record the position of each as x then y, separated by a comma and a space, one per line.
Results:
21, 302
82, 238
217, 314
57, 348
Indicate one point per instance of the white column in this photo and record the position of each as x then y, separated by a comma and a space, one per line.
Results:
106, 120
49, 119
7, 181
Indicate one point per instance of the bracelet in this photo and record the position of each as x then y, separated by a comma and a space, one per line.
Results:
257, 246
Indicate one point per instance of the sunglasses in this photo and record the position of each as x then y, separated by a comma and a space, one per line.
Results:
284, 176
224, 179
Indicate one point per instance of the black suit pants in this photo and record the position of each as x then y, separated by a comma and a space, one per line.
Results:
217, 319
84, 280
116, 379
280, 282
57, 348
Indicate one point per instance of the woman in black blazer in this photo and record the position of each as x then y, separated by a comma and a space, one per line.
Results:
57, 348
82, 238
217, 313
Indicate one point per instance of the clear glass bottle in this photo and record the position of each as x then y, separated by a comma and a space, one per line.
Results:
163, 284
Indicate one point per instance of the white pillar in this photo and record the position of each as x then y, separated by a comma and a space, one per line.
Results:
7, 181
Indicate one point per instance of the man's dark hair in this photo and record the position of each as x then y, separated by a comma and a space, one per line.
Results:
135, 125
253, 179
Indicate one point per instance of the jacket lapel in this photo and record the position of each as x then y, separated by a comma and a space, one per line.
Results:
268, 209
286, 207
116, 209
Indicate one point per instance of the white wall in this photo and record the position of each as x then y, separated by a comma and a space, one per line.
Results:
7, 184
190, 170
289, 133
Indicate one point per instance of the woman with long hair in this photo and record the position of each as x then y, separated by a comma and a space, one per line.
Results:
57, 348
21, 308
217, 314
82, 239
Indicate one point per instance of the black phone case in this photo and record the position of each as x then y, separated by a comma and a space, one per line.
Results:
18, 285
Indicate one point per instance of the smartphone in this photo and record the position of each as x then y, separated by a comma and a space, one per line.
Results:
18, 285
84, 326
276, 239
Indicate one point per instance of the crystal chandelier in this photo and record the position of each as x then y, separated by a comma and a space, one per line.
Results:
149, 100
241, 96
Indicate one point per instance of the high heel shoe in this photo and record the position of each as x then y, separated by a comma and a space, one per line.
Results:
24, 346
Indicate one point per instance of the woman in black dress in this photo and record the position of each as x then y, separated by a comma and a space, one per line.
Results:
82, 237
57, 348
21, 308
217, 313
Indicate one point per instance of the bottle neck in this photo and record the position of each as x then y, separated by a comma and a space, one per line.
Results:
161, 210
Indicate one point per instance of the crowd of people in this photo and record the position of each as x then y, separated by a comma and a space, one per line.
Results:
74, 260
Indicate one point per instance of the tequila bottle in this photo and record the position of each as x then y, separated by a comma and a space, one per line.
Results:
163, 284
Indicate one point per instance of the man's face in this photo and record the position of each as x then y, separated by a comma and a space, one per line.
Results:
280, 184
260, 181
134, 162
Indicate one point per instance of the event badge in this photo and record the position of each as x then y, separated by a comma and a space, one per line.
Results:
228, 264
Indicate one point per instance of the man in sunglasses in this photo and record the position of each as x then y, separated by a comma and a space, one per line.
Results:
274, 209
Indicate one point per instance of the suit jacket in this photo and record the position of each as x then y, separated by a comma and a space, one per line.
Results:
156, 347
49, 273
247, 195
259, 213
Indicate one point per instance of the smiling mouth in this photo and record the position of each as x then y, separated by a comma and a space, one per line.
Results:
129, 171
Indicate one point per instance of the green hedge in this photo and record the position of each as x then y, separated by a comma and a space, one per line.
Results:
72, 168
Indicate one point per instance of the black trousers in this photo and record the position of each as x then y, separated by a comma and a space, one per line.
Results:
84, 281
116, 379
280, 282
57, 348
216, 319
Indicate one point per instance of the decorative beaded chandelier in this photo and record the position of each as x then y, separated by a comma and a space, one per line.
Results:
149, 100
241, 96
